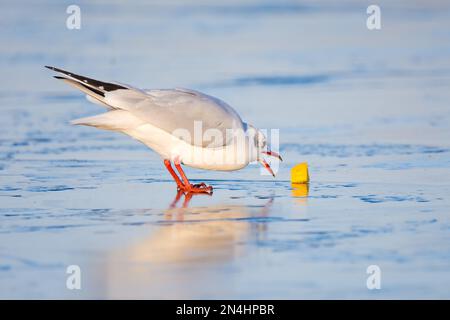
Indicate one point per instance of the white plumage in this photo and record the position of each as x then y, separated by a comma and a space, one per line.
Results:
183, 126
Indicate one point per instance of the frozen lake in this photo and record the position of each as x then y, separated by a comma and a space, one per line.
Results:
368, 110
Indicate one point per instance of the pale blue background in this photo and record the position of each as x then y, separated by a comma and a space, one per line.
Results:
368, 110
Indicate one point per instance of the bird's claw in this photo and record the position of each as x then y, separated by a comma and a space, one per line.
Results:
196, 188
199, 185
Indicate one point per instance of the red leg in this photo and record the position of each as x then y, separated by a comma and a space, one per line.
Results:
177, 198
187, 199
173, 174
188, 187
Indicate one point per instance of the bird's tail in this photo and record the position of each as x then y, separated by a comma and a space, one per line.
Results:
94, 89
115, 120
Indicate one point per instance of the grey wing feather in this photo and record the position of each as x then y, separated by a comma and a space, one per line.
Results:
167, 109
174, 109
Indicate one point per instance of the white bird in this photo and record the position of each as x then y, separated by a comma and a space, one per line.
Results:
165, 120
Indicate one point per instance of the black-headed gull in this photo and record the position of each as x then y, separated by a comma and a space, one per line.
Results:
183, 126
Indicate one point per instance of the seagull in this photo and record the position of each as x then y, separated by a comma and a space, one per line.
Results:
165, 120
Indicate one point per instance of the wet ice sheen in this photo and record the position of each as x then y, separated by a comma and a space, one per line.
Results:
370, 118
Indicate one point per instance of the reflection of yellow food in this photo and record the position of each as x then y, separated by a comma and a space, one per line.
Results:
299, 173
300, 189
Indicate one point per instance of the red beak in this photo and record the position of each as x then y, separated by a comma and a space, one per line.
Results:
266, 165
273, 154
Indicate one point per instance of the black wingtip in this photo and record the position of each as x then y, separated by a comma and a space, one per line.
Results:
92, 83
56, 69
59, 77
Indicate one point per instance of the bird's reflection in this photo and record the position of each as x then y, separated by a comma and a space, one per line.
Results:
199, 234
188, 248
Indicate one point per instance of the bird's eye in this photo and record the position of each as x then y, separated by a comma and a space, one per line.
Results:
255, 140
263, 144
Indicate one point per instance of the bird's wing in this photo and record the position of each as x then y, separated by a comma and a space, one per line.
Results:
167, 109
95, 90
175, 109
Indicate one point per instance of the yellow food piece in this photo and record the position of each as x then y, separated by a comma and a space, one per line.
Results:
299, 173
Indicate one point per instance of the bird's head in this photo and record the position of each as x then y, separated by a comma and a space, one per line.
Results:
259, 146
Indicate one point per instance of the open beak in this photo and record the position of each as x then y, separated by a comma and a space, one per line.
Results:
273, 154
266, 165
